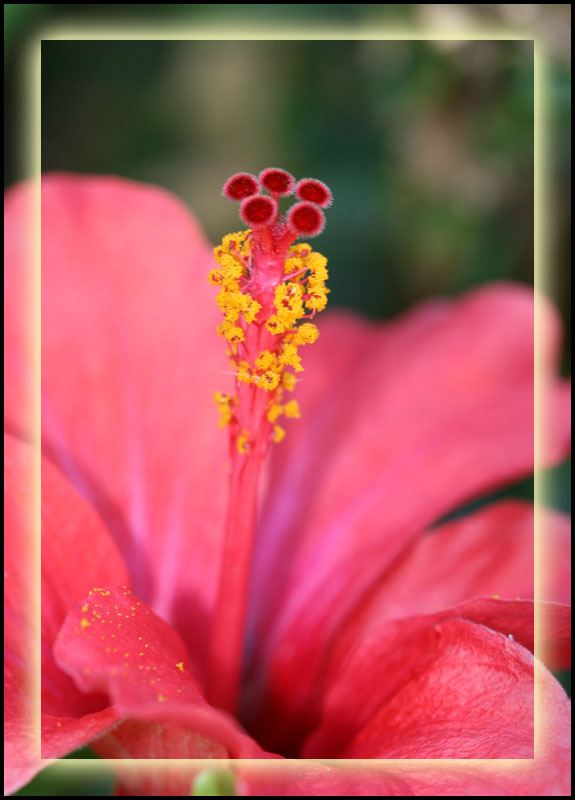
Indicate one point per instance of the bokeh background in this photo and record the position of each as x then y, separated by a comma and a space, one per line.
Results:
427, 145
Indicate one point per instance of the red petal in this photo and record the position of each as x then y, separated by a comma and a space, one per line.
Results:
77, 554
113, 642
400, 423
130, 361
547, 775
489, 553
69, 566
452, 689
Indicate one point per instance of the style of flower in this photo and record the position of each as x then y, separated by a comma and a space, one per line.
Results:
374, 630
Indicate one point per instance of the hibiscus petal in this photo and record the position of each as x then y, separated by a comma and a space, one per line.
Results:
547, 775
514, 619
130, 362
400, 423
451, 689
69, 567
113, 642
489, 553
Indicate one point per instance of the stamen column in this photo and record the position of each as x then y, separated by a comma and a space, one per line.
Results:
267, 285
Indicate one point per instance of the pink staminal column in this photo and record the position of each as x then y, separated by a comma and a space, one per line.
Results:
269, 290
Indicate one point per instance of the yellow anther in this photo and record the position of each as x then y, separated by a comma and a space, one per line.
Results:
224, 402
274, 412
231, 267
244, 374
289, 357
292, 300
251, 312
215, 277
307, 333
266, 360
233, 241
317, 263
275, 325
269, 380
293, 264
291, 410
317, 300
289, 381
278, 434
243, 442
232, 333
300, 248
288, 300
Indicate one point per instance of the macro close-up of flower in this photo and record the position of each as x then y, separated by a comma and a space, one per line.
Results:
281, 573
287, 399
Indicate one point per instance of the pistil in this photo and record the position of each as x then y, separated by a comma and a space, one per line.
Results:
268, 286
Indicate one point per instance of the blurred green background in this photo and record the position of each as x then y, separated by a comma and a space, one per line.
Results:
427, 146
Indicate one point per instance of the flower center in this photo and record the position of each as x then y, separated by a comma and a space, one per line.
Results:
270, 290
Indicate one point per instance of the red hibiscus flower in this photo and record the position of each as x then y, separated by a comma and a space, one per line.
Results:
374, 630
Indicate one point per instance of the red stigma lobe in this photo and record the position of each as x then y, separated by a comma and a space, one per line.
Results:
275, 232
277, 182
314, 191
240, 186
306, 219
258, 211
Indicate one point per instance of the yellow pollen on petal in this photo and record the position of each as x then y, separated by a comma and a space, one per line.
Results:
161, 698
84, 623
180, 666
